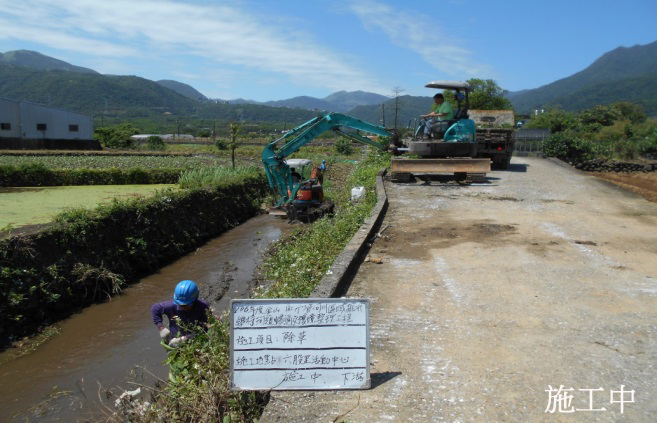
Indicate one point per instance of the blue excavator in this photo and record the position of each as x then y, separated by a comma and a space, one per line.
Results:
304, 199
450, 150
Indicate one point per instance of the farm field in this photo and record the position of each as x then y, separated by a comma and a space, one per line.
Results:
106, 162
644, 184
31, 206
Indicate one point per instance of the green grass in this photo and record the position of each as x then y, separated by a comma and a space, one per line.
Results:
209, 177
29, 206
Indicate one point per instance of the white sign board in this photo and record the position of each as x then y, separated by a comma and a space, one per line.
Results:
294, 344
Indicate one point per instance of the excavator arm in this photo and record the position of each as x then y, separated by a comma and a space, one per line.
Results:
278, 172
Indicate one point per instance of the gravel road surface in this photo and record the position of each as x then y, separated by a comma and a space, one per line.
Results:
490, 294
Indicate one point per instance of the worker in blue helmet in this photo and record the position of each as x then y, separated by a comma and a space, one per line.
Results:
185, 311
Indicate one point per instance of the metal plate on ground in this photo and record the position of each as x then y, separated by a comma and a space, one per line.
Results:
300, 344
428, 166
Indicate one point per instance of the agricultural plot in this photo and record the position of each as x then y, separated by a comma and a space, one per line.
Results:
118, 162
31, 206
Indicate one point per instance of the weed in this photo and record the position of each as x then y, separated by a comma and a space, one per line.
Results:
344, 147
214, 177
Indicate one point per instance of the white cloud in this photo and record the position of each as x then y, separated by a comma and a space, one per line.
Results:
422, 35
219, 33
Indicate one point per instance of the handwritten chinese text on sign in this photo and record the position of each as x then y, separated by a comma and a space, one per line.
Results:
296, 344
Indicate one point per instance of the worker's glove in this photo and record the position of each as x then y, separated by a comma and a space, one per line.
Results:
176, 342
164, 333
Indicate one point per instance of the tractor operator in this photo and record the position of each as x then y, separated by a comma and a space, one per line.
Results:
441, 112
185, 310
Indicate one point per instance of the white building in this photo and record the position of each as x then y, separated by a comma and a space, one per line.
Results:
20, 120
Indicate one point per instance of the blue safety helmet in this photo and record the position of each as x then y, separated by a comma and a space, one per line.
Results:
186, 293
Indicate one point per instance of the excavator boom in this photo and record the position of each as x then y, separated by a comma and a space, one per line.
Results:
273, 158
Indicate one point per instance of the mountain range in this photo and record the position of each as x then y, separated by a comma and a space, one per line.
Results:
341, 101
622, 74
38, 61
31, 76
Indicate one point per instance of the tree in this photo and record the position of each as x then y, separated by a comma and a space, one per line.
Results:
487, 95
630, 111
234, 129
556, 120
568, 145
156, 143
116, 136
598, 116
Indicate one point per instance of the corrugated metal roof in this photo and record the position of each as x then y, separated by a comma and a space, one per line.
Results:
532, 134
43, 105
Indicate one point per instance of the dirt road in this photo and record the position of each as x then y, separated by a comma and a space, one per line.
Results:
490, 294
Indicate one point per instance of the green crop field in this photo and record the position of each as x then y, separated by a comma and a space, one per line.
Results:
120, 162
30, 206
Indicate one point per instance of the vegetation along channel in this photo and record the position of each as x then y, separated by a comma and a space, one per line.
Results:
77, 331
100, 350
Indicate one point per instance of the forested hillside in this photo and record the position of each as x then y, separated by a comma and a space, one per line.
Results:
409, 107
128, 98
623, 74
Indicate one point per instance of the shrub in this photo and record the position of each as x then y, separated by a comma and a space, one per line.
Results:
37, 175
156, 143
569, 146
116, 136
221, 144
648, 146
343, 146
556, 120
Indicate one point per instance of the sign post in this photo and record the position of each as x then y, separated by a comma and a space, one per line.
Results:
300, 344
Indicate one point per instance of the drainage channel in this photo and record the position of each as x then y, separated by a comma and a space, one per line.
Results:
106, 345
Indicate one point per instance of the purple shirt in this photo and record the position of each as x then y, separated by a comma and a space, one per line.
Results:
197, 315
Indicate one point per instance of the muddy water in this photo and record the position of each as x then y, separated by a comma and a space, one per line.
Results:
115, 344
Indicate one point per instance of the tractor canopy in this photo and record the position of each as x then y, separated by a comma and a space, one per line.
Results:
449, 85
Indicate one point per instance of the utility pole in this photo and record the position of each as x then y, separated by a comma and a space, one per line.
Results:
102, 119
383, 115
396, 92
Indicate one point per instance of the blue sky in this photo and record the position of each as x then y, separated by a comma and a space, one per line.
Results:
271, 50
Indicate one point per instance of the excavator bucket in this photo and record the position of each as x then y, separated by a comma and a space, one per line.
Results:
276, 212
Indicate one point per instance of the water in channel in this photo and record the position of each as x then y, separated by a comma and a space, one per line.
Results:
105, 345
